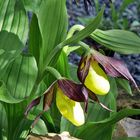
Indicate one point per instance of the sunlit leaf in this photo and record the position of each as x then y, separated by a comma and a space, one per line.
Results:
19, 76
77, 37
32, 5
35, 39
53, 30
121, 41
13, 18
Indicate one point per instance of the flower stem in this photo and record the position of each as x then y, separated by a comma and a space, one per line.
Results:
54, 72
85, 46
73, 29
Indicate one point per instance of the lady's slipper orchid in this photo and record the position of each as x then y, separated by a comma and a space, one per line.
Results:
68, 96
93, 77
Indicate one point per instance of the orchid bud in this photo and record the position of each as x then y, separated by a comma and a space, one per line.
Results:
70, 109
96, 79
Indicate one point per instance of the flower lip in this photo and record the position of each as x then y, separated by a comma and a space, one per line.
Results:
97, 80
70, 109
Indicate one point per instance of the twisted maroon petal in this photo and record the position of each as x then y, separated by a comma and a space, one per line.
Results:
72, 90
83, 68
114, 67
31, 105
48, 97
95, 98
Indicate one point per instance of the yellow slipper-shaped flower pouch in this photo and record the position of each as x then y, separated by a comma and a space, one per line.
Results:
97, 80
70, 109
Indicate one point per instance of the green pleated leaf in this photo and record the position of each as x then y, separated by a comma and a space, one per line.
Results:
8, 52
62, 65
19, 77
14, 115
53, 30
18, 125
46, 117
13, 18
99, 130
32, 5
121, 41
52, 58
35, 39
22, 129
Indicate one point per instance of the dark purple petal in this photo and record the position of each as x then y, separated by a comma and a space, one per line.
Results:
85, 92
48, 97
92, 96
114, 67
72, 90
111, 72
95, 98
31, 105
83, 68
122, 69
